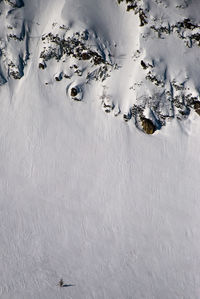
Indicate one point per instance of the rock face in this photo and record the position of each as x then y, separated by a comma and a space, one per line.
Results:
197, 107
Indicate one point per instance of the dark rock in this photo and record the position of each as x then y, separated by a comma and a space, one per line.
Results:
74, 92
196, 37
107, 108
85, 56
197, 107
42, 66
67, 76
127, 116
142, 17
143, 64
58, 77
148, 126
98, 59
187, 24
131, 7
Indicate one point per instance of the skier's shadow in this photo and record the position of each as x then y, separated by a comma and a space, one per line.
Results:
68, 285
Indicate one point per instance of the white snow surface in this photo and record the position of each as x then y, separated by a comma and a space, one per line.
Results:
85, 196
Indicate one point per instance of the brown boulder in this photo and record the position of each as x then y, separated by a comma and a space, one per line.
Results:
86, 56
148, 126
197, 107
74, 92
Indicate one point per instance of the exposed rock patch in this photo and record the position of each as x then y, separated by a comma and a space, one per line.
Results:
148, 126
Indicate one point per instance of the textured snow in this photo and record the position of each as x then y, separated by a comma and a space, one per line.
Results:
85, 196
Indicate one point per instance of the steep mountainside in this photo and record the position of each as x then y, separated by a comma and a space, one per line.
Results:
151, 51
85, 195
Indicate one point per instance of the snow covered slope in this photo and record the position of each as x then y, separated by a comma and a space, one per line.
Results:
85, 195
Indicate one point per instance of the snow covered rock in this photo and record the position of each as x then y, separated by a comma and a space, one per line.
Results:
14, 51
169, 48
156, 71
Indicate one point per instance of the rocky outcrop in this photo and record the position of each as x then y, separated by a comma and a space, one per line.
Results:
167, 96
148, 126
15, 3
14, 51
197, 107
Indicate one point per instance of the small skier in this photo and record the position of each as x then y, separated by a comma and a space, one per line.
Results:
61, 282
